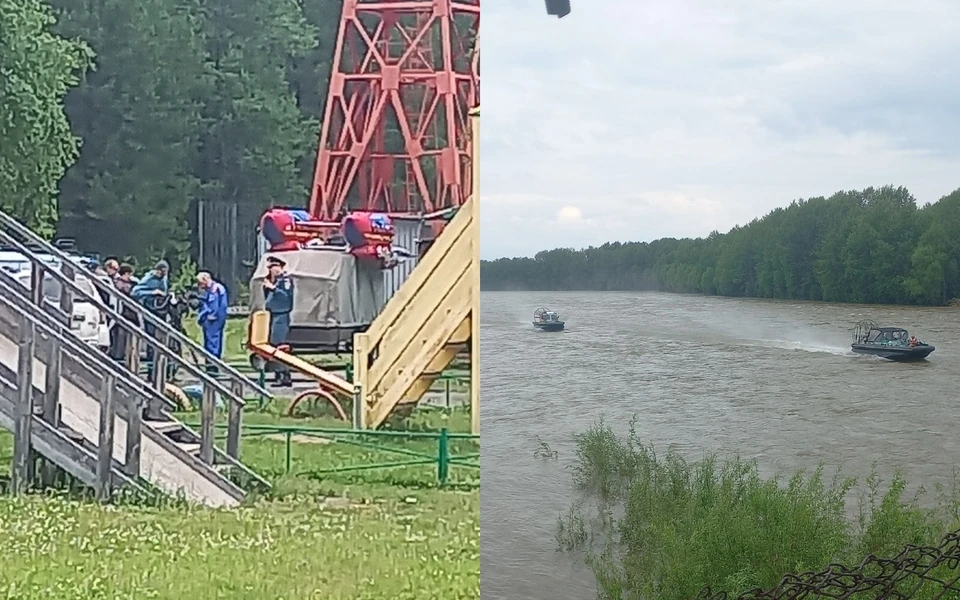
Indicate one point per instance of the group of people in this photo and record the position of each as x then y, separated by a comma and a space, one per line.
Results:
152, 292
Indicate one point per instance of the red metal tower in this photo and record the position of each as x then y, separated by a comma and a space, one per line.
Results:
395, 134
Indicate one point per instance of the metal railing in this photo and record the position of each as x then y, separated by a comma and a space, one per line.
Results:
211, 386
123, 301
443, 458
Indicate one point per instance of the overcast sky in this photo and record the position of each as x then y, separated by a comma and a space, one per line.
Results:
633, 120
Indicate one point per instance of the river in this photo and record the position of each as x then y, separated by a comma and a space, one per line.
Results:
771, 380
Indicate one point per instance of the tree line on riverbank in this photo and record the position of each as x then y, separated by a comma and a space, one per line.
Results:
119, 116
869, 246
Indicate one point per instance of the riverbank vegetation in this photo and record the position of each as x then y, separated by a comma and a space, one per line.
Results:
869, 246
657, 526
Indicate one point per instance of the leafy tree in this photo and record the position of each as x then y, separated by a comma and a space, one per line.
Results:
254, 135
191, 100
309, 74
37, 67
139, 114
871, 246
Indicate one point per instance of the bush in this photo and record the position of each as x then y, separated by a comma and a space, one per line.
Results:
659, 527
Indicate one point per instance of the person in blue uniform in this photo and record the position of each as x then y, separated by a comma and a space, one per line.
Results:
212, 315
278, 295
153, 293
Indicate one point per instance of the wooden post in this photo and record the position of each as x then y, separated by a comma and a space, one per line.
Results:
51, 401
132, 353
234, 422
22, 459
360, 358
131, 459
51, 390
105, 439
160, 363
208, 415
36, 284
66, 294
475, 266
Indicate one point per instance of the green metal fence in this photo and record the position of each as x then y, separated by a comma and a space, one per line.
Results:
376, 440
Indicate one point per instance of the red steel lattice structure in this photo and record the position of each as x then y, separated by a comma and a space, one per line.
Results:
395, 134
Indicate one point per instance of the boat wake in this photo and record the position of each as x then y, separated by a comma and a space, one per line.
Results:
810, 347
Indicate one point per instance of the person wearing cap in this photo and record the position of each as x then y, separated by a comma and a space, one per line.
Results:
153, 288
212, 315
278, 294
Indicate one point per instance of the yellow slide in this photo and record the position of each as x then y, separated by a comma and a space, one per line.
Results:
258, 342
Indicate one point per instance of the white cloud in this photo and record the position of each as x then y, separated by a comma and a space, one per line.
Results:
570, 214
671, 118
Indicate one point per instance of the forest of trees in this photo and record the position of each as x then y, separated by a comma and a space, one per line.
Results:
870, 246
117, 117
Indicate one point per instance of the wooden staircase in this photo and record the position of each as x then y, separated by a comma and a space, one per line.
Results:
57, 395
431, 319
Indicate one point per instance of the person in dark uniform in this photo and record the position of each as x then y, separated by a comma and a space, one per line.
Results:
278, 295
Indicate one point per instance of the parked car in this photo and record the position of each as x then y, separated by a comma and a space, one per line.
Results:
87, 322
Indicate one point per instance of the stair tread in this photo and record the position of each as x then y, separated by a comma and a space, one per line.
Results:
73, 434
189, 447
165, 426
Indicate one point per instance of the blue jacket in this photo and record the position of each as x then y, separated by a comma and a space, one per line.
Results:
279, 300
213, 304
143, 291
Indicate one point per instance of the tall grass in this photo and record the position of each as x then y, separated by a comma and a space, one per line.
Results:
660, 527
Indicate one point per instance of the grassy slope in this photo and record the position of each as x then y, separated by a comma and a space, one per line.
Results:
395, 535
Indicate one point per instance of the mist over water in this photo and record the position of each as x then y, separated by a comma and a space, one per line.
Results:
771, 380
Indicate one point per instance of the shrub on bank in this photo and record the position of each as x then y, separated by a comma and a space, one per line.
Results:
660, 527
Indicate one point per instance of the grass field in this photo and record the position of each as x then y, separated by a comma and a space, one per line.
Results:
359, 535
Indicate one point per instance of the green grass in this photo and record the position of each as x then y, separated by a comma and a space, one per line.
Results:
266, 454
57, 548
365, 535
659, 527
389, 534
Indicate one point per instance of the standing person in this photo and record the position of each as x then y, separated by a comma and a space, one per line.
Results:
152, 292
278, 294
112, 268
119, 336
109, 269
212, 315
153, 287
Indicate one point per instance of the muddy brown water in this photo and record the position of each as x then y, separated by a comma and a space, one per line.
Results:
771, 380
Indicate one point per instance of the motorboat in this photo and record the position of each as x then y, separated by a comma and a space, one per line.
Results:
891, 343
547, 320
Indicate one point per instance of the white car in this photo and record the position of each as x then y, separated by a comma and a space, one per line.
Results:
87, 322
